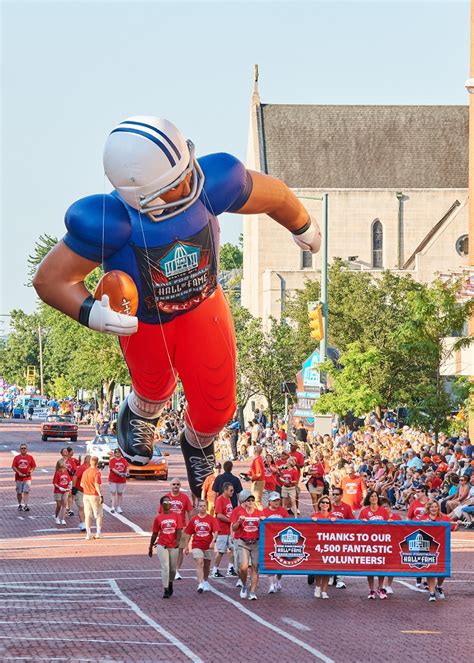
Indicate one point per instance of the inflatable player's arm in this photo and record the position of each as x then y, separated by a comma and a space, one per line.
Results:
97, 227
271, 196
230, 187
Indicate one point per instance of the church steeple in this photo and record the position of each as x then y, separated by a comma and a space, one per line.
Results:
255, 94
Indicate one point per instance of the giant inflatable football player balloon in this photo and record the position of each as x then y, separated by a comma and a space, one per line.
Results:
160, 227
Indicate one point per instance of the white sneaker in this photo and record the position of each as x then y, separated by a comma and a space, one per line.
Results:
82, 527
239, 583
178, 576
205, 586
89, 537
340, 584
200, 588
252, 596
388, 590
112, 510
63, 522
324, 595
243, 592
58, 522
278, 585
317, 592
98, 536
119, 509
272, 588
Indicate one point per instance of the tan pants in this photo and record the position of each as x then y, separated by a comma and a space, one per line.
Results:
168, 559
93, 509
257, 492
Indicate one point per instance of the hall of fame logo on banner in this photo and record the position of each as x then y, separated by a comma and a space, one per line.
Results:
289, 547
419, 550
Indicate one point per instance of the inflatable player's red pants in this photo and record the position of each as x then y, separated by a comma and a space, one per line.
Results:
199, 347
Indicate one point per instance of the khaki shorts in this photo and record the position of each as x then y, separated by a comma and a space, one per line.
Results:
315, 490
248, 552
92, 506
58, 497
288, 491
224, 543
198, 553
116, 487
79, 498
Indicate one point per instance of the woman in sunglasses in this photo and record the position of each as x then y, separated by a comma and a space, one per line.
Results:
324, 512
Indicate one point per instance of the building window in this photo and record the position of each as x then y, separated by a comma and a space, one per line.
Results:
306, 259
377, 245
462, 245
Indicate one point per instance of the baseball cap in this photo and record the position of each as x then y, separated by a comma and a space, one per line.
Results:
244, 495
274, 496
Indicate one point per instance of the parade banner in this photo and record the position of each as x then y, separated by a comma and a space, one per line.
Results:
354, 547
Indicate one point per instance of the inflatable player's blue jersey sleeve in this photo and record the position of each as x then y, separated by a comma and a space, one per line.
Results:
227, 183
97, 226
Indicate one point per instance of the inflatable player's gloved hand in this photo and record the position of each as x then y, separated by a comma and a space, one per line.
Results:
309, 237
100, 317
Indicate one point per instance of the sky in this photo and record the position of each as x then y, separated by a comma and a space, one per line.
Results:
71, 70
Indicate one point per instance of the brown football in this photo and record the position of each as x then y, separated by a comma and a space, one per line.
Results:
122, 292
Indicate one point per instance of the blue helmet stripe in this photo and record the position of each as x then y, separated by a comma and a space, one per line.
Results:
164, 149
160, 133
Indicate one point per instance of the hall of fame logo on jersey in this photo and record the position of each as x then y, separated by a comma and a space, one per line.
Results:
289, 547
419, 550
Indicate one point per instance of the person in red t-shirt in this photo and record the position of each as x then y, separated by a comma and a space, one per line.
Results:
341, 511
62, 486
275, 510
324, 512
200, 536
118, 468
270, 478
353, 487
23, 465
165, 537
433, 513
246, 527
223, 512
78, 491
373, 510
417, 508
71, 465
289, 476
257, 475
316, 473
182, 506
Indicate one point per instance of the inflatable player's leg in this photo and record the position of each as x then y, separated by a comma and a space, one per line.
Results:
205, 360
147, 354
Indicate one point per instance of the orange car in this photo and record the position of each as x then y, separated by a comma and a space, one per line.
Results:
157, 468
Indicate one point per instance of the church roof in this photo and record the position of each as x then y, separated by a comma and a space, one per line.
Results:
332, 147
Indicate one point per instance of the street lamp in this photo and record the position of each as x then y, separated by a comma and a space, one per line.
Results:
323, 345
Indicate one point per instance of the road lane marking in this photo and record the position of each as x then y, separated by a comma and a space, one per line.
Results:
296, 641
158, 628
76, 623
126, 521
107, 642
295, 624
412, 587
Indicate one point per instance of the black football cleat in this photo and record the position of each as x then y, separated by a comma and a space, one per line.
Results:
199, 464
136, 435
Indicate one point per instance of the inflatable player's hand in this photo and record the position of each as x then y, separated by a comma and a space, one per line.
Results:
310, 239
103, 319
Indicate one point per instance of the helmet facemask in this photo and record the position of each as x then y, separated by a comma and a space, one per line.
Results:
161, 211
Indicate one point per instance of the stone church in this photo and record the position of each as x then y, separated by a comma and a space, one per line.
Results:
397, 180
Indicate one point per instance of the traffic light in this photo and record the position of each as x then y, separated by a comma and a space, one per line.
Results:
316, 323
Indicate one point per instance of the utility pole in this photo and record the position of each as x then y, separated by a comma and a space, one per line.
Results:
40, 339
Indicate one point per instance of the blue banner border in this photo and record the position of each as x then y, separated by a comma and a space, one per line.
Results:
392, 523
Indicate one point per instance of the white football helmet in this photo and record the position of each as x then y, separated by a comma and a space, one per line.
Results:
145, 157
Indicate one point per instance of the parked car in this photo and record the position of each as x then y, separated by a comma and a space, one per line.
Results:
157, 468
59, 426
103, 446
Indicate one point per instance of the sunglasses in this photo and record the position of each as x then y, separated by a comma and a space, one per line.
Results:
328, 503
250, 499
176, 484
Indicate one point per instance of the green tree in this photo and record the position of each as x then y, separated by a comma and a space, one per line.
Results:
230, 257
21, 348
